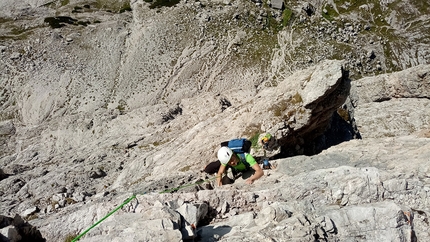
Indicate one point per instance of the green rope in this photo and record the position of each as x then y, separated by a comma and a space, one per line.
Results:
105, 217
131, 198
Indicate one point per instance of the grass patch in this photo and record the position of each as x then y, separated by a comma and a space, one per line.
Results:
251, 131
141, 179
343, 113
64, 2
70, 200
31, 217
15, 32
125, 7
297, 98
70, 237
330, 13
254, 140
158, 143
279, 108
287, 16
185, 168
5, 20
112, 6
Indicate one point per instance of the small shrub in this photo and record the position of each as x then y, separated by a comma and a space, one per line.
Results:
254, 140
64, 2
125, 7
185, 168
279, 108
251, 130
70, 237
70, 200
331, 13
343, 113
287, 14
296, 99
32, 216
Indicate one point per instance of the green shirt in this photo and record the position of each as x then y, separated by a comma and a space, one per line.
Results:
240, 165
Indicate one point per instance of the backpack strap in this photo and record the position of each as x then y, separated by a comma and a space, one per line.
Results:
242, 157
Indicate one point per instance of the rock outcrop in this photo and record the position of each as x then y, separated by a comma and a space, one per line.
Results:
16, 229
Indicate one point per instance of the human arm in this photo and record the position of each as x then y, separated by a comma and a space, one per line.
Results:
257, 174
219, 175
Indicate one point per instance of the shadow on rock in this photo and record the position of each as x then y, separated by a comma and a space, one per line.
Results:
212, 233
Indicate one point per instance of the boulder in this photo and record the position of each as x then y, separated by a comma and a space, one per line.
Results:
7, 127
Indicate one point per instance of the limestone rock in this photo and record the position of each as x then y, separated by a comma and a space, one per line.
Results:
7, 128
130, 98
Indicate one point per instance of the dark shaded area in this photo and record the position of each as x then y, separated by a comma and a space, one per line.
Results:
208, 233
212, 213
3, 175
224, 104
325, 130
172, 114
27, 232
162, 3
309, 9
339, 131
60, 21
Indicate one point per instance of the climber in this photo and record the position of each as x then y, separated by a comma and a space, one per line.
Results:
270, 146
239, 163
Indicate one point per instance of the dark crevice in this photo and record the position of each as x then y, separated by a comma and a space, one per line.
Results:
172, 114
224, 103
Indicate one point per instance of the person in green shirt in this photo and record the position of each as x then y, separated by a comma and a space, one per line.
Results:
239, 162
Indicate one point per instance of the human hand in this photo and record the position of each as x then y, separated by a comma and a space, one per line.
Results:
249, 181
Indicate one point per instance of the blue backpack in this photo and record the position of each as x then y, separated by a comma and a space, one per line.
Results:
239, 146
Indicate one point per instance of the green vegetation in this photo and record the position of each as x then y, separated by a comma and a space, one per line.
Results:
297, 98
31, 217
185, 168
254, 140
158, 143
287, 108
350, 6
15, 32
343, 113
70, 237
253, 131
8, 115
122, 106
279, 108
64, 2
287, 16
141, 179
331, 14
113, 6
5, 20
125, 7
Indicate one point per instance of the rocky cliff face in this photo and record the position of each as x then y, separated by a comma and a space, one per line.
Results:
102, 99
